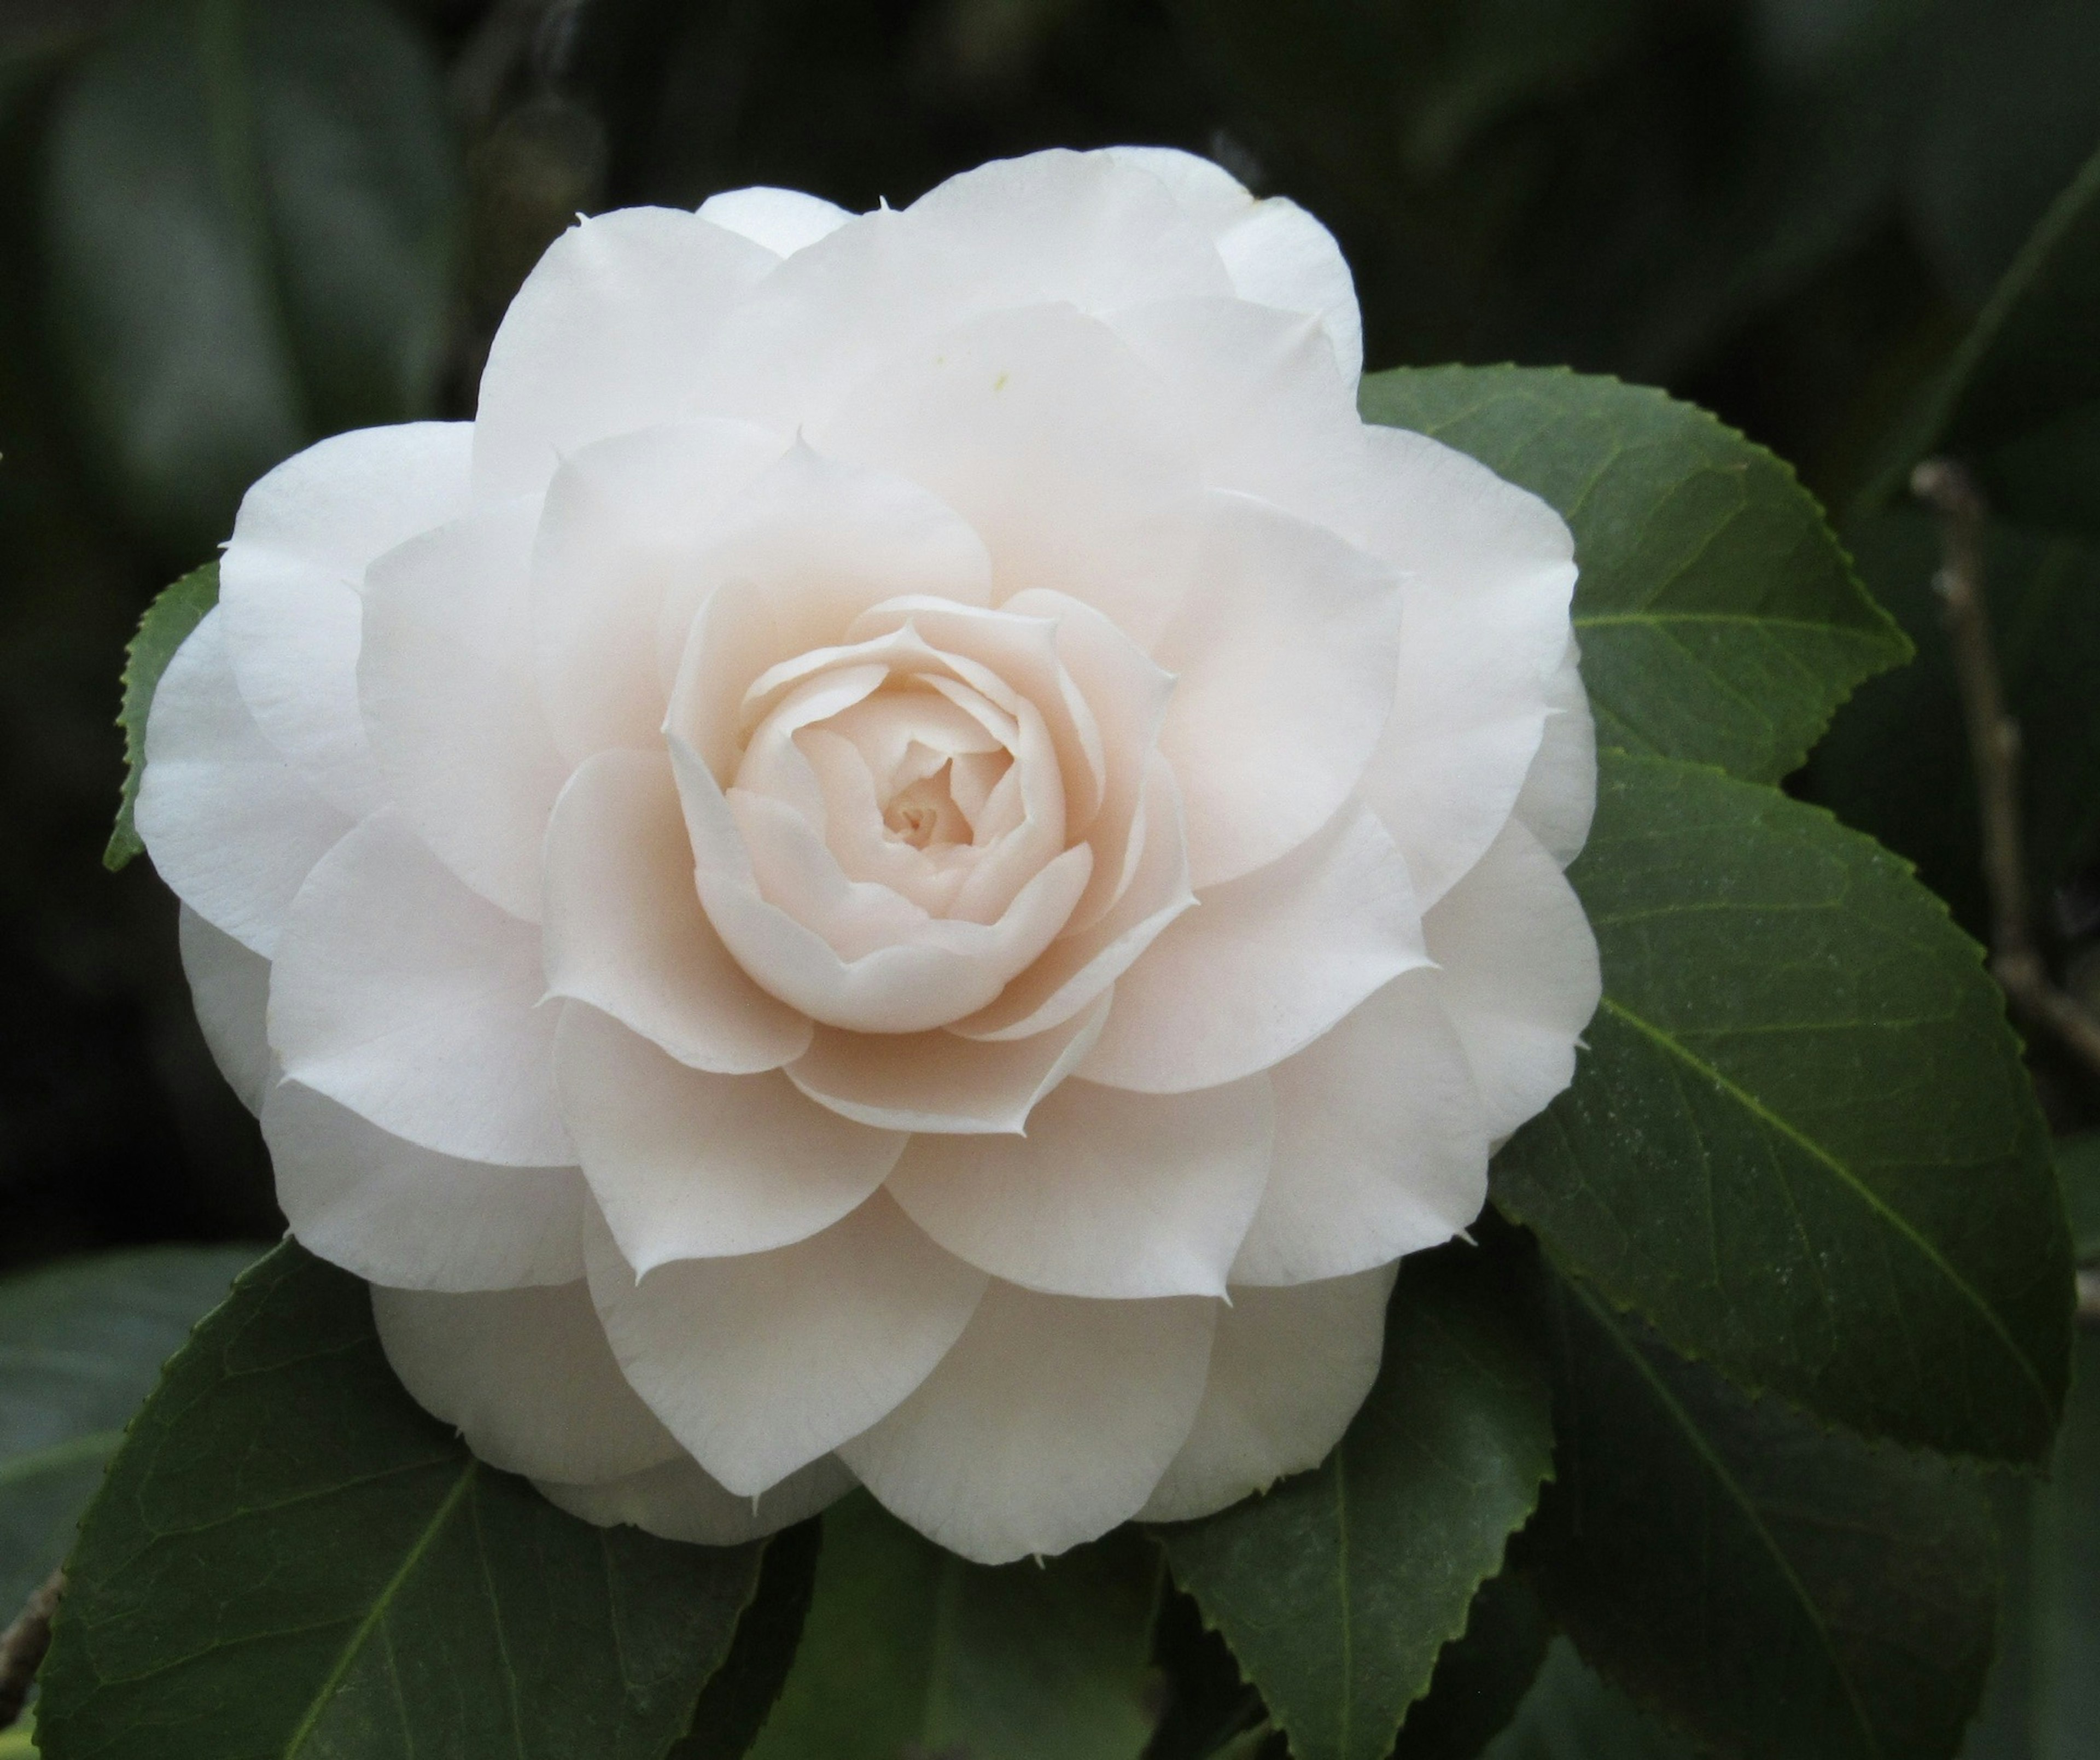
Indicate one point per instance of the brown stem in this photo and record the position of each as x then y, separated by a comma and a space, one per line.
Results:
1994, 755
22, 1645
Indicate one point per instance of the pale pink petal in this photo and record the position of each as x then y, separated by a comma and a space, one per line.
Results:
936, 1081
1381, 1146
230, 826
782, 220
625, 931
1110, 1193
1278, 254
1288, 1368
1490, 573
1264, 964
1518, 977
762, 1364
681, 1501
526, 1376
1048, 1423
1043, 430
606, 335
451, 705
290, 579
625, 522
398, 1215
1285, 649
229, 988
1560, 793
688, 1165
413, 1001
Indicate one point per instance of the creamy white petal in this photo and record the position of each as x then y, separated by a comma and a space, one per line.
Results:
451, 705
1559, 794
398, 1215
1490, 573
624, 523
526, 1376
689, 1165
625, 931
1288, 1368
1049, 1422
681, 1501
290, 579
1518, 974
1381, 1143
413, 1001
937, 1083
1204, 190
1264, 964
763, 1363
1110, 1193
782, 220
230, 988
1278, 254
606, 335
1285, 649
231, 826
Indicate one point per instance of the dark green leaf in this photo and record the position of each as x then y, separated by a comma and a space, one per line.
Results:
249, 215
1784, 1590
165, 627
1572, 1714
80, 1344
734, 1705
909, 1651
1895, 764
290, 1559
1801, 1141
2078, 1171
1482, 1677
2063, 1605
1719, 620
1339, 1588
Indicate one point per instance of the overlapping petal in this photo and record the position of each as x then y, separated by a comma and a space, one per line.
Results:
230, 989
681, 1501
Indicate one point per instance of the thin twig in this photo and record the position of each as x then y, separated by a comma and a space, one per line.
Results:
1994, 754
22, 1645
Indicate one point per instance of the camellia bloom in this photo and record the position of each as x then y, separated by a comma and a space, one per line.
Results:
915, 859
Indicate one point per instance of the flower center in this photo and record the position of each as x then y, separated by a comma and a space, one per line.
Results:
924, 814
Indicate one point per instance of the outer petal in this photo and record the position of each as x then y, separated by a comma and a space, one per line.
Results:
1490, 570
1518, 975
605, 335
1288, 1370
451, 705
1286, 645
398, 1215
680, 1501
938, 1083
1109, 1194
288, 586
1050, 1421
625, 931
781, 220
526, 1376
1381, 1146
687, 1165
413, 1001
1265, 965
231, 826
1559, 794
229, 988
762, 1364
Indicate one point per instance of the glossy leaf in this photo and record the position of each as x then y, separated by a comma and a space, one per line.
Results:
1895, 764
1783, 1589
1339, 1588
1801, 1141
737, 1701
249, 217
290, 1559
1483, 1675
1719, 620
81, 1343
910, 1651
1571, 1714
165, 627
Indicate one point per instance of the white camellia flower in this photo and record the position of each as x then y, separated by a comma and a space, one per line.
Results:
915, 859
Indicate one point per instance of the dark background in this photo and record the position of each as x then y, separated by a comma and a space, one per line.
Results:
228, 227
